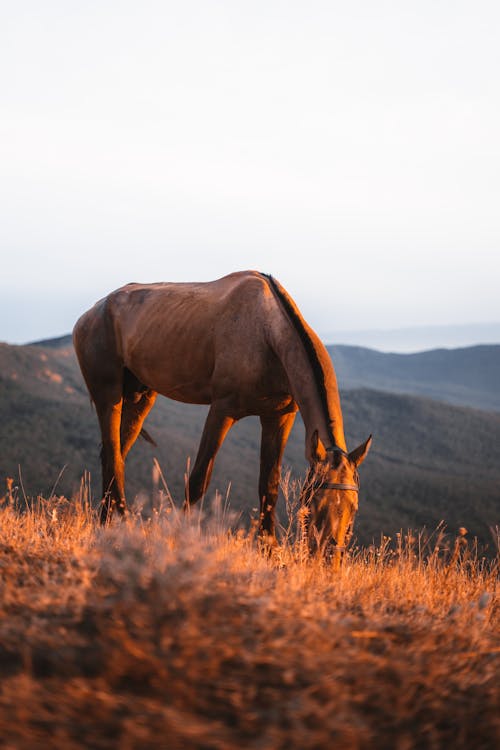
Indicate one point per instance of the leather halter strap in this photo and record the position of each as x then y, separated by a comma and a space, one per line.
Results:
337, 485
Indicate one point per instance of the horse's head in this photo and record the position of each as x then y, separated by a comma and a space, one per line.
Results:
332, 495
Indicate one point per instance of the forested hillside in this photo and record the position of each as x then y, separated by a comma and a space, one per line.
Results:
466, 377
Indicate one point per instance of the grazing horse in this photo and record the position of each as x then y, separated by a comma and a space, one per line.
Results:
241, 345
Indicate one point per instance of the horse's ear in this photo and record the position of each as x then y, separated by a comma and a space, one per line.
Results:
358, 455
317, 448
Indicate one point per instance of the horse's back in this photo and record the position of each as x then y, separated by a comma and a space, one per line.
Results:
184, 339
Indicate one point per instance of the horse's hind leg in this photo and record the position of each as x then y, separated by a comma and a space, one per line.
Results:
121, 419
109, 412
104, 379
135, 409
102, 369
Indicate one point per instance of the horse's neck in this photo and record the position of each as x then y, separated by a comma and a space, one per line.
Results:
319, 402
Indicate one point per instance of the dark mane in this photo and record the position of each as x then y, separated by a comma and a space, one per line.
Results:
298, 324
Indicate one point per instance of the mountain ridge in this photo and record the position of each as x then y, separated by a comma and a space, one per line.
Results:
419, 338
465, 376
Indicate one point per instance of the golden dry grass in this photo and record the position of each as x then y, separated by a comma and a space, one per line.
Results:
175, 633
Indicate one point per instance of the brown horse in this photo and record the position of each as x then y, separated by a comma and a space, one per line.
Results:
241, 345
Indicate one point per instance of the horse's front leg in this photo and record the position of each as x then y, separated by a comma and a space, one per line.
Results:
217, 425
275, 431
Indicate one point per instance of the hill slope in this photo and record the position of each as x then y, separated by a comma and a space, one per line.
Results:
466, 377
430, 461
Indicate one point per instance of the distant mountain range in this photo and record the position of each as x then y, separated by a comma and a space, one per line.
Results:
466, 377
431, 460
421, 338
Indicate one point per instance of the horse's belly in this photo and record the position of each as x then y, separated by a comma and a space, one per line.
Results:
245, 392
179, 378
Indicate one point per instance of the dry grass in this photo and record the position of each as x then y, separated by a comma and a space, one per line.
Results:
175, 633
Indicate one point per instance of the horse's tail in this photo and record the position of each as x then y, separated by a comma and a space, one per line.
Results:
144, 434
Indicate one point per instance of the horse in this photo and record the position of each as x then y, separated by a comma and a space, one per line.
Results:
240, 345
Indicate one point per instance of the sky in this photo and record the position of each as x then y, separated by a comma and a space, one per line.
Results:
351, 149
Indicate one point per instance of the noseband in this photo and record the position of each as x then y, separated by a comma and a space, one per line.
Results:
338, 485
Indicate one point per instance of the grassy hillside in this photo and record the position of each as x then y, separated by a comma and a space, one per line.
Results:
430, 461
180, 635
467, 377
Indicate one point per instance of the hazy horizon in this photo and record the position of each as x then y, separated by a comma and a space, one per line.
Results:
409, 340
414, 339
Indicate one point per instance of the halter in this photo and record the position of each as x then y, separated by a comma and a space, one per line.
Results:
337, 548
338, 485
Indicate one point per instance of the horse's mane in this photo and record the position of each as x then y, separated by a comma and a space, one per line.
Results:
297, 320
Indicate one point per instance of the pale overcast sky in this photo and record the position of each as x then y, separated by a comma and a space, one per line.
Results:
351, 149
